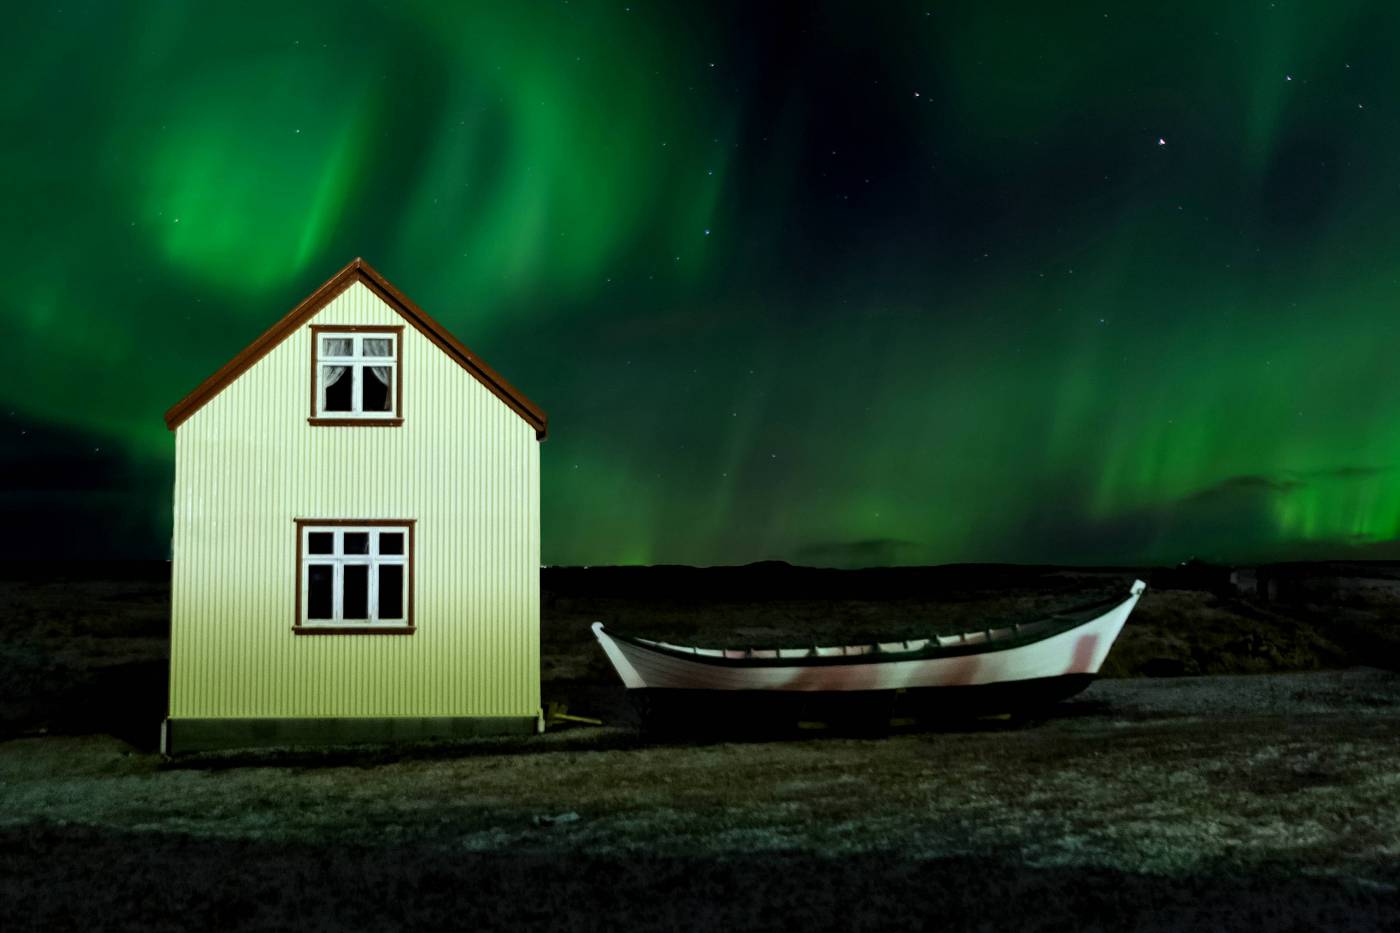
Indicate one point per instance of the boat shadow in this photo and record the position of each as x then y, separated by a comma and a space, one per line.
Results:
626, 735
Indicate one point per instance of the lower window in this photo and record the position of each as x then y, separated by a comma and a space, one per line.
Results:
354, 576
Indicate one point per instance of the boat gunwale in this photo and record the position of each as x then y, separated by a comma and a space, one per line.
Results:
1067, 621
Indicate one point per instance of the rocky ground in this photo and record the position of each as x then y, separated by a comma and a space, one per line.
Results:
1263, 801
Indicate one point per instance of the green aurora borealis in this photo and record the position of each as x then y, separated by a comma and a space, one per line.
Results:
840, 284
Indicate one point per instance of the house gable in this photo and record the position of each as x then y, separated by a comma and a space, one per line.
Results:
358, 271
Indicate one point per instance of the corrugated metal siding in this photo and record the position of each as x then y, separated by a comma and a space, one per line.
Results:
463, 465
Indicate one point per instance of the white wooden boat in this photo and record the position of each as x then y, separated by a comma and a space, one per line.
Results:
995, 669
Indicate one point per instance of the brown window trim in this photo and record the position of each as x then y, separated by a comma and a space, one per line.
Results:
410, 525
334, 422
356, 422
376, 630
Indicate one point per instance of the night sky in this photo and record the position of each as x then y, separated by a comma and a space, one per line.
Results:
844, 284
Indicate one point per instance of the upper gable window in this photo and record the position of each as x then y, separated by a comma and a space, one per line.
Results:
356, 375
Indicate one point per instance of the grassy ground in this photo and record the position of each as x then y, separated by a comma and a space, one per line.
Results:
1258, 802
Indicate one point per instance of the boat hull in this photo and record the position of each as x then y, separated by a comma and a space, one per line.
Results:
1079, 649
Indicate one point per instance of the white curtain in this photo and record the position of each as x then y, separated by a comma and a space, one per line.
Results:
375, 346
336, 346
330, 376
382, 374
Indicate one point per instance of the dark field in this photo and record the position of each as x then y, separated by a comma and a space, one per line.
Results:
1261, 791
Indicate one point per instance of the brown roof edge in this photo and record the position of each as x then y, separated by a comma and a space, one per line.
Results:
359, 271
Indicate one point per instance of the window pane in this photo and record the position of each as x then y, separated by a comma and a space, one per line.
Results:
335, 346
320, 542
375, 388
356, 596
377, 346
339, 382
356, 542
390, 591
319, 600
391, 542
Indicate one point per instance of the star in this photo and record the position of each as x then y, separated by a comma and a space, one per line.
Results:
1161, 141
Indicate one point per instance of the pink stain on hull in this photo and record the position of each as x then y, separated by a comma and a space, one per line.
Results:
834, 677
1084, 651
961, 672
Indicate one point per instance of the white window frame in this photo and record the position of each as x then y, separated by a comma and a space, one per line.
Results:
339, 560
356, 363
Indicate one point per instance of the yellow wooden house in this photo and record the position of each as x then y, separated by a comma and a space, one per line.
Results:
356, 544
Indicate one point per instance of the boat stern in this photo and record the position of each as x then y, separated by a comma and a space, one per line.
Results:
630, 678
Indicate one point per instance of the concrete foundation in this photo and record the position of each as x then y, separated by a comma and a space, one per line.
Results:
182, 736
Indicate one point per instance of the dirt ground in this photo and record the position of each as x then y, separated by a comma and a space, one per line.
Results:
1239, 801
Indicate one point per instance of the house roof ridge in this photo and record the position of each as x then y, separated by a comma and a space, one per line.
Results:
358, 270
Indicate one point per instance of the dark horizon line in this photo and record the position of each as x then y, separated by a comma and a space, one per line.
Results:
54, 563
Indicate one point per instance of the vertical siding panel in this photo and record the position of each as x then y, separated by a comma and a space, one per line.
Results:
233, 570
205, 535
201, 586
491, 652
469, 519
460, 638
512, 660
504, 641
492, 540
183, 577
243, 630
480, 629
435, 569
500, 657
500, 661
514, 581
208, 535
476, 628
239, 629
470, 633
211, 653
